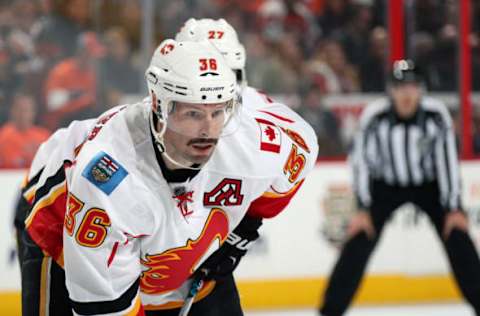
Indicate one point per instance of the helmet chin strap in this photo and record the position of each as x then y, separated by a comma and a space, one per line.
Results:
159, 142
180, 164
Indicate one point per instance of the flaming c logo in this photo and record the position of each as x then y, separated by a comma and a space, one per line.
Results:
168, 270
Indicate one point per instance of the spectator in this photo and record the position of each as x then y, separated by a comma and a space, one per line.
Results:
290, 55
264, 69
323, 121
127, 14
119, 77
299, 19
282, 38
439, 77
251, 6
8, 82
422, 44
56, 33
424, 19
372, 70
357, 32
12, 56
20, 47
296, 17
71, 86
25, 14
7, 19
19, 137
335, 16
330, 70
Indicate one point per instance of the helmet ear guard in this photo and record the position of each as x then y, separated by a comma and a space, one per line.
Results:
159, 105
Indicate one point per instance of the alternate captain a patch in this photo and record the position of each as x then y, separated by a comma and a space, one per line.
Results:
104, 172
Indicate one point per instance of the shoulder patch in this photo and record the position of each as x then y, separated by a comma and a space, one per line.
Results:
104, 172
270, 136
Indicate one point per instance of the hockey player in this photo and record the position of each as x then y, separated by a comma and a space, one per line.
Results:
160, 187
142, 214
225, 260
224, 37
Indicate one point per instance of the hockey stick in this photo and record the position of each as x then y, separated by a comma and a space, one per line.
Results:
194, 287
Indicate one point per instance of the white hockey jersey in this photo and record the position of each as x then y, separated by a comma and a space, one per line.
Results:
132, 240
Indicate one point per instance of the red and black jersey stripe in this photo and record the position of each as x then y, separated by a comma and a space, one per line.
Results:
45, 221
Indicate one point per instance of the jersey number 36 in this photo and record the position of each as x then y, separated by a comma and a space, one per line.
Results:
92, 231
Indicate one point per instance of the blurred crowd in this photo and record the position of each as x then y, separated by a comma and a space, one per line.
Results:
71, 59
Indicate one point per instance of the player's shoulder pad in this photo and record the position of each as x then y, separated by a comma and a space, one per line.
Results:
59, 148
294, 129
268, 139
104, 158
44, 152
254, 99
298, 146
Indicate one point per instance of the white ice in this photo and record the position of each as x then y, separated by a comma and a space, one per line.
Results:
404, 310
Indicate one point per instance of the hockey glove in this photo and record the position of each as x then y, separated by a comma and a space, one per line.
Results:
223, 261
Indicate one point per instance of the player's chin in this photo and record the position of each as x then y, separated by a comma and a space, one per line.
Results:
201, 155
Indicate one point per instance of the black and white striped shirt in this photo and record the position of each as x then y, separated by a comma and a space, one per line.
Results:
406, 153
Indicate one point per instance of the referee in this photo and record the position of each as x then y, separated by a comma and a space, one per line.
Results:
404, 152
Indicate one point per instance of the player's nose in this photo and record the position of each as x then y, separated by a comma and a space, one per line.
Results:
210, 126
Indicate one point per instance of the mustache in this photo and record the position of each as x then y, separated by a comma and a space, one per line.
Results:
203, 141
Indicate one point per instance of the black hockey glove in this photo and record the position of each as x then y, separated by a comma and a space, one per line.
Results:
223, 261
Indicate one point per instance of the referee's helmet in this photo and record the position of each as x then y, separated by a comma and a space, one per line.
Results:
405, 71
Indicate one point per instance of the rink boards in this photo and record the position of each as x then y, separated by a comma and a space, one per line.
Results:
288, 267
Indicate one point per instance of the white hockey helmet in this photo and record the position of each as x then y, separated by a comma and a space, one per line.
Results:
223, 36
188, 72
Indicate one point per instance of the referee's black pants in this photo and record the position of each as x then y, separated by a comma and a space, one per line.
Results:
350, 267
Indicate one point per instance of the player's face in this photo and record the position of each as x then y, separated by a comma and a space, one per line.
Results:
193, 131
406, 97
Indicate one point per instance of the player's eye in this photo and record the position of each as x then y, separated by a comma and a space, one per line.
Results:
194, 114
218, 113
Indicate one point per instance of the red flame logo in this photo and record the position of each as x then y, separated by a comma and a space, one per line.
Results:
170, 269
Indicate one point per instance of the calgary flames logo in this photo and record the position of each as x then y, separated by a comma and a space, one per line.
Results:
168, 270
